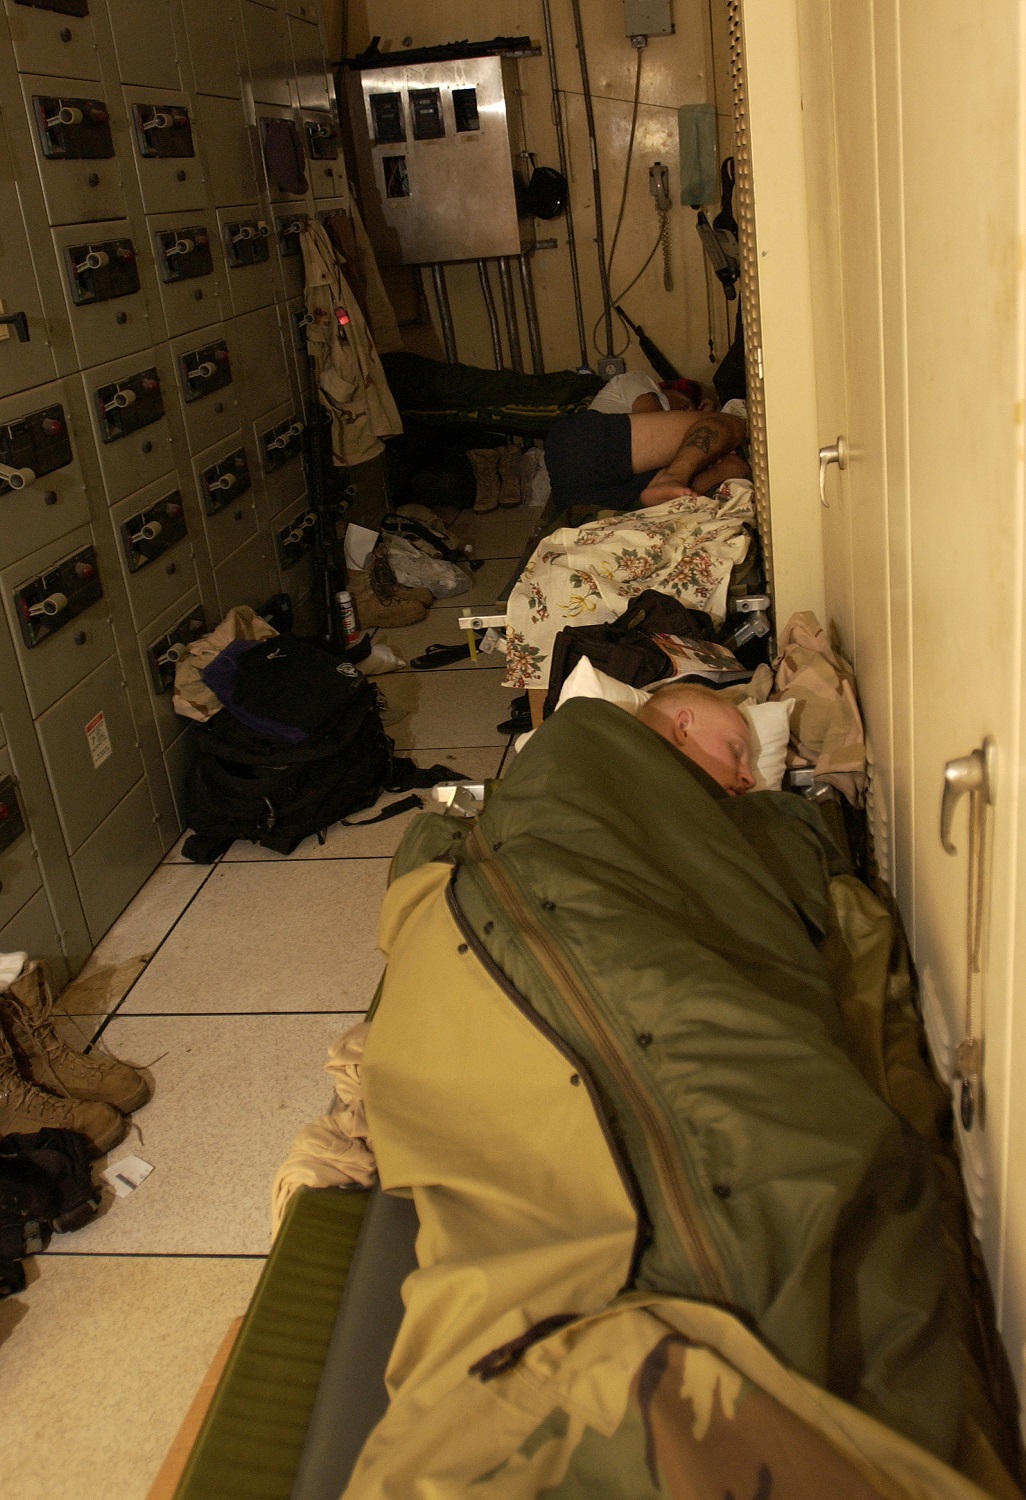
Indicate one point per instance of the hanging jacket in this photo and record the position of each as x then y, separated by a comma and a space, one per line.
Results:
350, 380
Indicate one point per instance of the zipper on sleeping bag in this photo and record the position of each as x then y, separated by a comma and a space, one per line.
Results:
684, 1211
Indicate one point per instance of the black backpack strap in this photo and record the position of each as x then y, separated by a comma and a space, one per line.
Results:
405, 804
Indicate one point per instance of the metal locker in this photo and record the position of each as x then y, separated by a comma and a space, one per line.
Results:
268, 61
308, 57
57, 646
160, 646
127, 402
45, 497
106, 305
161, 138
117, 859
293, 533
189, 268
70, 125
245, 235
207, 384
246, 577
287, 224
228, 528
231, 169
155, 548
178, 760
259, 361
325, 166
278, 444
144, 42
34, 931
88, 740
212, 47
26, 357
46, 41
19, 867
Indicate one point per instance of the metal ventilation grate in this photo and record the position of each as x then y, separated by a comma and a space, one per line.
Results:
745, 213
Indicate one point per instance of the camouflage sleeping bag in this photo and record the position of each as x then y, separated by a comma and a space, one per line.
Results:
633, 1059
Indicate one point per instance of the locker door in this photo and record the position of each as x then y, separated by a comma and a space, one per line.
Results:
24, 361
918, 306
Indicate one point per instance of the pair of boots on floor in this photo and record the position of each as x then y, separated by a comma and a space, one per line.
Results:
497, 474
45, 1084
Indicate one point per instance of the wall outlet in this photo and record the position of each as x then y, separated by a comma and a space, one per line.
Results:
610, 366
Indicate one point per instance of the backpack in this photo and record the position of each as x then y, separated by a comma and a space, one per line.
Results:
246, 784
45, 1186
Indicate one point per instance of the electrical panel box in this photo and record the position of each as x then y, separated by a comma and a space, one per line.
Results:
205, 370
183, 253
296, 539
126, 405
164, 654
46, 604
648, 17
151, 532
32, 446
436, 148
225, 481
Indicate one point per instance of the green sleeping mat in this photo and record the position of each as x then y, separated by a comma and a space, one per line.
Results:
304, 1382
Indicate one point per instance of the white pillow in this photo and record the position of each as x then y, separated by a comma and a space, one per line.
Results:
586, 681
770, 726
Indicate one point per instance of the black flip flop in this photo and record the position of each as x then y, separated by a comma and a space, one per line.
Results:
440, 656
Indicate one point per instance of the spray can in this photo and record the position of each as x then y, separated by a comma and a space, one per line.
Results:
350, 629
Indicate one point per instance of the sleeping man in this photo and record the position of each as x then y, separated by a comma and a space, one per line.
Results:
621, 457
707, 729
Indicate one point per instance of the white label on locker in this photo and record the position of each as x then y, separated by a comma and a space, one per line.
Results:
99, 740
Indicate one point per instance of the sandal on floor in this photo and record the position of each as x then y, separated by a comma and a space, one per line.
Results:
440, 656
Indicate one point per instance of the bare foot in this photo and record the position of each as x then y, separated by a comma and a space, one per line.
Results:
662, 488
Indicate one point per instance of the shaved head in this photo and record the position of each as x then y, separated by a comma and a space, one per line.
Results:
707, 729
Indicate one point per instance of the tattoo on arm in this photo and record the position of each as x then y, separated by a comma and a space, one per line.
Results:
701, 437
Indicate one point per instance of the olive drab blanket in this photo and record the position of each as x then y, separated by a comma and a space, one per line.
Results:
678, 1235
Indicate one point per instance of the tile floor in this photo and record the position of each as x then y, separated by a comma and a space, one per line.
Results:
229, 983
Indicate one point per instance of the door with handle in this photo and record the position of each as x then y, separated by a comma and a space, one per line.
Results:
924, 528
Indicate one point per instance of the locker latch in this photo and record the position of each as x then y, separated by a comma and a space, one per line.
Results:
163, 130
225, 481
33, 445
148, 535
73, 129
183, 253
247, 242
205, 370
100, 272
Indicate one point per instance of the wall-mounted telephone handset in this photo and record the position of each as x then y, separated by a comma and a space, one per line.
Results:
659, 187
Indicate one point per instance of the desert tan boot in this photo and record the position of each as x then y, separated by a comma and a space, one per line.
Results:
26, 1108
485, 464
45, 1059
510, 493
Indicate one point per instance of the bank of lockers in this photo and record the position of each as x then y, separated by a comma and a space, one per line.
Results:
151, 411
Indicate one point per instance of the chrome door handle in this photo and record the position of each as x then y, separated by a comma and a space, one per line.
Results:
836, 453
967, 773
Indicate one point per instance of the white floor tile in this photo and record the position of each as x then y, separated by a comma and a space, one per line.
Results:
272, 937
100, 1362
377, 840
121, 956
499, 533
446, 709
231, 1094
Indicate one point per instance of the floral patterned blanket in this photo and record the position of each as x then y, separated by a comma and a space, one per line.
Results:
587, 575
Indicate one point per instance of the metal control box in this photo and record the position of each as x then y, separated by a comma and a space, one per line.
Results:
436, 149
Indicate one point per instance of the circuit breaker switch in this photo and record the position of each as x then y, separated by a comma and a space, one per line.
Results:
94, 261
159, 121
16, 479
51, 605
120, 400
223, 482
147, 533
180, 247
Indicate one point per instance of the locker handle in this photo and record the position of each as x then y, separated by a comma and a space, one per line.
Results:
16, 479
20, 324
966, 773
836, 453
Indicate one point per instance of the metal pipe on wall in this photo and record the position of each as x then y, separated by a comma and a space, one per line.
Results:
557, 120
531, 311
444, 312
600, 237
493, 317
509, 308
